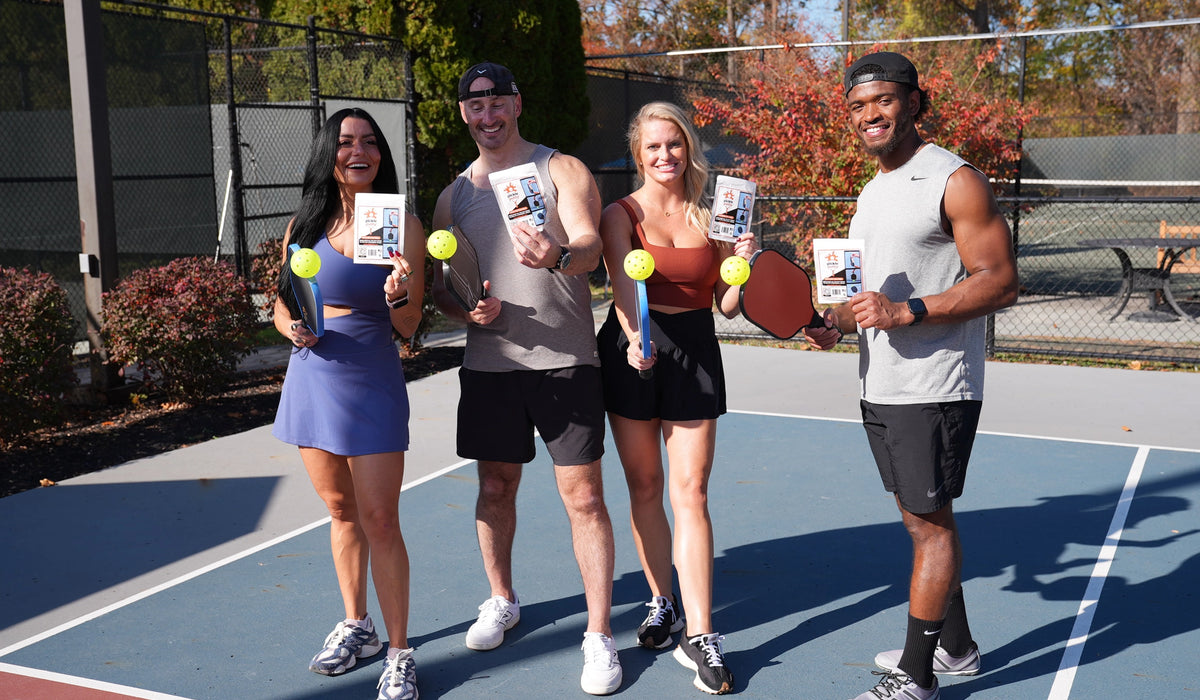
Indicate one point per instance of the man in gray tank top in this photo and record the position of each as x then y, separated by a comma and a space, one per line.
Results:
530, 360
937, 259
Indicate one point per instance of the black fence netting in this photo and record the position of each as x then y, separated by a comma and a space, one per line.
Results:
210, 121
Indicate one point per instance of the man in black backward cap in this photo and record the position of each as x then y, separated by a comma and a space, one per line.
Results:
938, 259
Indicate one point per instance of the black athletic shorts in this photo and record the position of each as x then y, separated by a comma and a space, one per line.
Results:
688, 381
922, 450
499, 411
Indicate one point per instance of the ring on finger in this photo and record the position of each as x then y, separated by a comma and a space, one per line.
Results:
404, 277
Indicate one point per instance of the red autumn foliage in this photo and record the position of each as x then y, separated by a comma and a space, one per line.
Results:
794, 115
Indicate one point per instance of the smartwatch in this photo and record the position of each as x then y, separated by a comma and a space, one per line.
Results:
397, 304
564, 258
917, 307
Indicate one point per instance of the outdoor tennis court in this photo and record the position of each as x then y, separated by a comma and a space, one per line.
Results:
206, 573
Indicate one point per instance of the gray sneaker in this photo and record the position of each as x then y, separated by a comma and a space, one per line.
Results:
344, 646
944, 664
399, 678
897, 686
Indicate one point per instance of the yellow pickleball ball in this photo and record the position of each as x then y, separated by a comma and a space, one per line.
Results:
442, 244
735, 270
639, 264
306, 263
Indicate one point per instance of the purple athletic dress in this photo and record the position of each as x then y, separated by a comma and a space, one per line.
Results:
346, 394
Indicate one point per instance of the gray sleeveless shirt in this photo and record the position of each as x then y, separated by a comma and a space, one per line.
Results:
908, 254
545, 321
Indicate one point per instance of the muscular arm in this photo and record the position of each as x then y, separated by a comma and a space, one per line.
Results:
984, 244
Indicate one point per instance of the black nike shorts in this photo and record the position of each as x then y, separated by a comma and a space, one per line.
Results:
922, 450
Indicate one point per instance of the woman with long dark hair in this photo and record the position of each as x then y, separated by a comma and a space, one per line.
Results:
344, 402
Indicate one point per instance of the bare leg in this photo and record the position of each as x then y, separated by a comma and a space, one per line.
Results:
496, 523
582, 491
330, 475
690, 449
377, 481
937, 561
641, 458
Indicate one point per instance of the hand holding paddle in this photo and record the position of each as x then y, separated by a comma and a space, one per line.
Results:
305, 264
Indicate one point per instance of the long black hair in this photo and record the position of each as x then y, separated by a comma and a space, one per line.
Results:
320, 198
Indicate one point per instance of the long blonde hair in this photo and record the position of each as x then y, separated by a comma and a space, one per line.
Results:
699, 213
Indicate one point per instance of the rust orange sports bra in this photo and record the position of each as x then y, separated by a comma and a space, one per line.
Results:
683, 277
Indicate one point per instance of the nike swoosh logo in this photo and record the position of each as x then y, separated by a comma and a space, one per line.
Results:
934, 492
915, 178
930, 633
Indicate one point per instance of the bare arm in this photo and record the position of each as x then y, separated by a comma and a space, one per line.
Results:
412, 264
296, 334
579, 212
615, 232
985, 247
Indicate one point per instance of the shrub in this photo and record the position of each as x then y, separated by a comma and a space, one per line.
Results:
264, 272
36, 353
184, 325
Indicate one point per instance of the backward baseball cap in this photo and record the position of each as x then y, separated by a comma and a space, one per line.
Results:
884, 65
503, 82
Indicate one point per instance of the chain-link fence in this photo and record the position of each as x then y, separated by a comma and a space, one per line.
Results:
1111, 164
211, 118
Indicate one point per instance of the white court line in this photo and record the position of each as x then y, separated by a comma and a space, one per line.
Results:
86, 683
997, 433
1061, 690
198, 572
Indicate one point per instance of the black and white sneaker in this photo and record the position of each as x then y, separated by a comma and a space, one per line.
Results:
661, 622
705, 655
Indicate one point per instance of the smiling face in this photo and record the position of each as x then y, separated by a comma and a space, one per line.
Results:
661, 150
883, 115
357, 155
491, 121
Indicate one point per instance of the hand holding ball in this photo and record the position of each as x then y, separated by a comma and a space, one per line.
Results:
305, 263
639, 264
442, 244
735, 270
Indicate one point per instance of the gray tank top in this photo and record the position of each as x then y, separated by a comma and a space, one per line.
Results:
906, 253
545, 321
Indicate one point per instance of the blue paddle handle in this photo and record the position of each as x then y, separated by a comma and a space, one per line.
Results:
644, 327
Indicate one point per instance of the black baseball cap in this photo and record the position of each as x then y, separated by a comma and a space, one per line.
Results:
884, 65
502, 79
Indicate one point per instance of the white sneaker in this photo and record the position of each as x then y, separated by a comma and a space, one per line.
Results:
496, 616
601, 667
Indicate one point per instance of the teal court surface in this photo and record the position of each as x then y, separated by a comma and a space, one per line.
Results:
206, 572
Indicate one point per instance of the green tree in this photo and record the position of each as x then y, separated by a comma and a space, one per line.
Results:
539, 40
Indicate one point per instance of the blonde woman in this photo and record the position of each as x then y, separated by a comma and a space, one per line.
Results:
668, 216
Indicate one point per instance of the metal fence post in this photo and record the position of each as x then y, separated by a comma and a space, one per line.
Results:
314, 82
93, 176
240, 253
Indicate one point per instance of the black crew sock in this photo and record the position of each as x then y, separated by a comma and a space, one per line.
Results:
917, 658
956, 634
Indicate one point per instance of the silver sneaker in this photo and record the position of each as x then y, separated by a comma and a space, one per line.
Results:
943, 663
399, 678
344, 646
898, 686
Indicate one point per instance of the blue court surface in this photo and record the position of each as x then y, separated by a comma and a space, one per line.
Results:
206, 573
